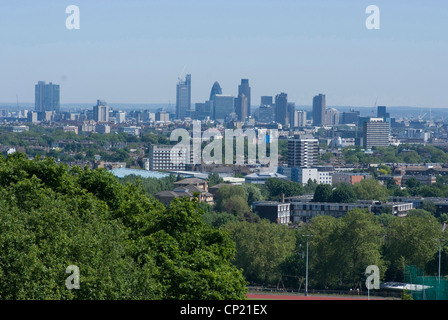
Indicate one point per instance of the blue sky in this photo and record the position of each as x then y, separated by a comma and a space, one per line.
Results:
133, 51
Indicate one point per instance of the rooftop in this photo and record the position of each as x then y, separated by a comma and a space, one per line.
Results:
122, 172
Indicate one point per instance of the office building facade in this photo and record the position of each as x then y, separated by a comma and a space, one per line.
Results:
319, 107
303, 152
183, 98
376, 133
281, 109
101, 112
162, 159
243, 101
47, 97
223, 106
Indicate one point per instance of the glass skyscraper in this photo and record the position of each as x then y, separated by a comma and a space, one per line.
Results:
243, 100
319, 107
281, 109
216, 89
183, 98
224, 106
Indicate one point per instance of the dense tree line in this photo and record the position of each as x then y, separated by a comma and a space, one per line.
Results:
125, 244
404, 153
339, 250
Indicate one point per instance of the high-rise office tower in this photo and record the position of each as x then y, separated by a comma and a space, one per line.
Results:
241, 107
244, 89
350, 117
216, 89
298, 118
266, 101
281, 109
331, 116
223, 106
376, 133
266, 114
303, 152
47, 97
183, 98
319, 107
101, 112
381, 112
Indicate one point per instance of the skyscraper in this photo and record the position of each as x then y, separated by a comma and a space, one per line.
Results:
266, 101
243, 111
298, 118
319, 110
376, 133
183, 98
47, 97
281, 109
241, 107
101, 112
216, 89
381, 112
224, 106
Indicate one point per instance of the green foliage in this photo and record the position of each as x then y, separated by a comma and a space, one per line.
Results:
260, 248
277, 187
151, 186
323, 193
126, 245
343, 193
341, 249
214, 179
234, 200
410, 241
370, 189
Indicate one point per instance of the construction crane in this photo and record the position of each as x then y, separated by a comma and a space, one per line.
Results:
180, 77
373, 110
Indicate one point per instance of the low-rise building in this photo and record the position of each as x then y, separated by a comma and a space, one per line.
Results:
349, 177
304, 211
262, 177
274, 211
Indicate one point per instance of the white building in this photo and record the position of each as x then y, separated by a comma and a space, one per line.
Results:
261, 177
161, 158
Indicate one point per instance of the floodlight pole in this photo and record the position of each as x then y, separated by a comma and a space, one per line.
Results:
439, 261
306, 269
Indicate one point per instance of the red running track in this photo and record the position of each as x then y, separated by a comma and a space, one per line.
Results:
298, 297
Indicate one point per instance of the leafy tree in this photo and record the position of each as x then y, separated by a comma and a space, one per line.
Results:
343, 193
359, 240
126, 245
253, 193
214, 179
277, 187
323, 193
261, 248
370, 189
410, 241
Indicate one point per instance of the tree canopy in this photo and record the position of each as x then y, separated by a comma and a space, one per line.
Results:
125, 244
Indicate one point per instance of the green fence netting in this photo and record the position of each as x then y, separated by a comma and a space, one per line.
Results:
425, 287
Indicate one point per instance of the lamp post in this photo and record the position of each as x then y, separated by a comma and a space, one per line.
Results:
440, 240
306, 269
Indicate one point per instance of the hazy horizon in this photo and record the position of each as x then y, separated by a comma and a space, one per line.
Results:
136, 50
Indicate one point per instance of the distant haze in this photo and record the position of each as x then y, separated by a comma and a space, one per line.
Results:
135, 51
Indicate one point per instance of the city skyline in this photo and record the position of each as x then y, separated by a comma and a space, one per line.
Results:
133, 52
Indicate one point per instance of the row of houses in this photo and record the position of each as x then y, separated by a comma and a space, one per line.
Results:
191, 188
